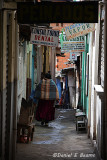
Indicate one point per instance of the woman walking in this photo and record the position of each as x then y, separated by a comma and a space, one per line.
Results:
47, 93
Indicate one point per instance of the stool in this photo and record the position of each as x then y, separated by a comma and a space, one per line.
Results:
81, 121
81, 126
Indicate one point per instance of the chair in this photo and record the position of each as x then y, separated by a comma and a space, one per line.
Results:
81, 121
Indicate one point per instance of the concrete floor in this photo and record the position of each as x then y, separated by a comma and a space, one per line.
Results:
59, 140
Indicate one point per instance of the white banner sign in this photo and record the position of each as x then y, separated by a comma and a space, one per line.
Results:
75, 45
76, 29
47, 37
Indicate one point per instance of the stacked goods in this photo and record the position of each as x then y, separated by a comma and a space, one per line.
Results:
25, 127
27, 112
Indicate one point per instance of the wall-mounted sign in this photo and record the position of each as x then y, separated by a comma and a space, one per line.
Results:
74, 45
41, 36
57, 12
76, 30
73, 56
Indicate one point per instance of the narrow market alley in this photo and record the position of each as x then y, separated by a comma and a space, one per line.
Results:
53, 74
58, 140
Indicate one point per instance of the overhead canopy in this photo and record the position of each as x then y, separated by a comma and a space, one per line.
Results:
65, 70
57, 12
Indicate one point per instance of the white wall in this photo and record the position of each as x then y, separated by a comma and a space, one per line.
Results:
93, 50
95, 101
22, 74
72, 87
99, 106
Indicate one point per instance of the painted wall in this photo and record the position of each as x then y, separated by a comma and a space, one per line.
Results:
39, 62
34, 67
46, 59
58, 83
67, 90
52, 61
84, 95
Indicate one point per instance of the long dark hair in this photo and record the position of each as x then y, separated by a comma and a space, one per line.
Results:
48, 75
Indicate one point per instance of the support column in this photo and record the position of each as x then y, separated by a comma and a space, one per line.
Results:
3, 82
1, 49
10, 85
15, 91
105, 81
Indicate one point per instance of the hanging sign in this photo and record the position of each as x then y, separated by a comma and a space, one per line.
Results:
57, 12
74, 45
80, 29
46, 37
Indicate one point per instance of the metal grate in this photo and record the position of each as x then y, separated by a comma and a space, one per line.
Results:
6, 96
102, 54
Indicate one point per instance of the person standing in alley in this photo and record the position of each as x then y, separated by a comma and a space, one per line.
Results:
47, 93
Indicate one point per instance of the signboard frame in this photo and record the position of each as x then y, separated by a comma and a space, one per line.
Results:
44, 36
80, 29
73, 45
57, 12
73, 56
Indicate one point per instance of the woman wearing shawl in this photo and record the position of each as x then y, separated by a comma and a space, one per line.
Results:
47, 93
